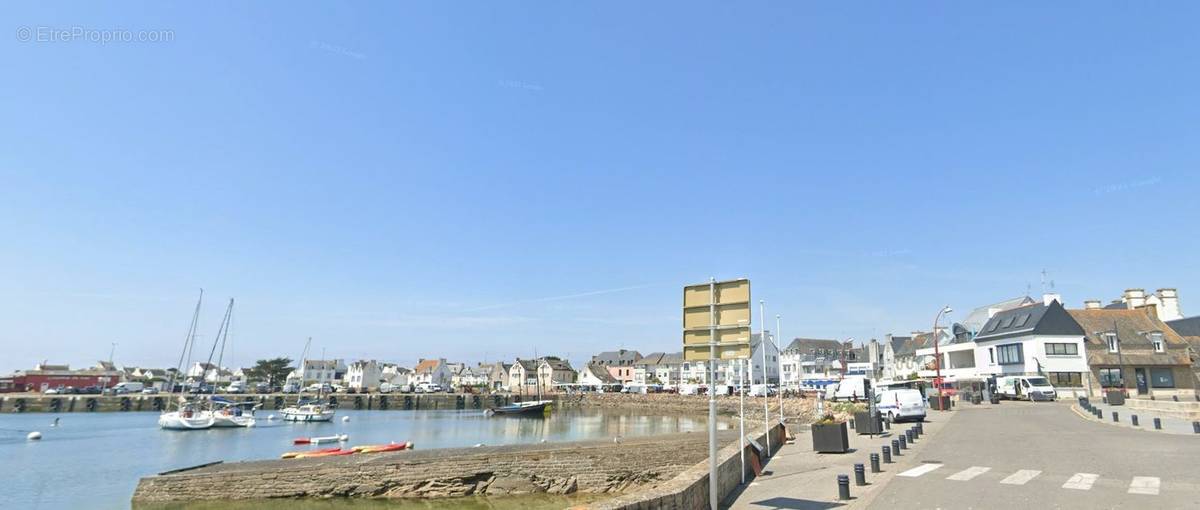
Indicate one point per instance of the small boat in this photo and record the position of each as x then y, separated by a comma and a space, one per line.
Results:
291, 455
380, 448
186, 418
318, 440
333, 453
307, 412
532, 407
232, 414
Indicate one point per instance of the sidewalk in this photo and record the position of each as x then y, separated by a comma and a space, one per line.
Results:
1170, 424
798, 478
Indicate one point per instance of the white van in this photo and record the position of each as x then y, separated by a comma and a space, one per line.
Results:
900, 404
1025, 387
851, 388
128, 387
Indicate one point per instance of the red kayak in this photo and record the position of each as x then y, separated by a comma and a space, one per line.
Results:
289, 455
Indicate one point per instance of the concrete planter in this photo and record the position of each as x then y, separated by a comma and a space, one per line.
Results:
864, 425
831, 438
940, 403
1115, 398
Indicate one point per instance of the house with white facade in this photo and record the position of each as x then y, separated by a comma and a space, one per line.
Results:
523, 377
808, 362
364, 375
1038, 339
554, 372
471, 377
596, 377
645, 370
395, 375
319, 371
669, 367
619, 363
431, 371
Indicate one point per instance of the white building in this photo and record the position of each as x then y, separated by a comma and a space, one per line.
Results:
1038, 339
1164, 301
432, 371
807, 360
395, 375
364, 375
471, 377
318, 371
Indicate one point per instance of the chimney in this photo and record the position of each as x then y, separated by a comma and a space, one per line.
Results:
1051, 297
1169, 309
1091, 304
1135, 298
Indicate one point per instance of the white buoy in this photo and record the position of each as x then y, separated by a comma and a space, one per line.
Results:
345, 419
271, 418
34, 436
344, 437
408, 445
477, 445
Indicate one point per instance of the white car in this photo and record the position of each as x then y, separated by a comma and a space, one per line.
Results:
1022, 387
900, 404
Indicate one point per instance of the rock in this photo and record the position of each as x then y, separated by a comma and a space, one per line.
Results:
510, 485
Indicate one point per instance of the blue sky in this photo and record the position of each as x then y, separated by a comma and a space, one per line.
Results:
477, 179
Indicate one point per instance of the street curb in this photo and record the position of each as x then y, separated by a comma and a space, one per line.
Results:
1080, 413
910, 459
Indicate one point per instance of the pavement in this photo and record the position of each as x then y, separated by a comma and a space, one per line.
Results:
1012, 455
1170, 424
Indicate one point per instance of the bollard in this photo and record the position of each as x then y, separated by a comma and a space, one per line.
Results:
1105, 399
887, 425
1175, 398
1134, 418
1157, 424
860, 476
843, 487
1195, 427
887, 454
896, 448
851, 422
1115, 417
903, 443
921, 427
875, 462
908, 434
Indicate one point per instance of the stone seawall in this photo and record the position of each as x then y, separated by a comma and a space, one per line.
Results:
35, 403
587, 466
795, 409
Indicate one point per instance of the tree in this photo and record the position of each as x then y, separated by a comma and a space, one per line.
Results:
271, 371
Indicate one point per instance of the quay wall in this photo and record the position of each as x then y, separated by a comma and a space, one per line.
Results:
598, 466
36, 403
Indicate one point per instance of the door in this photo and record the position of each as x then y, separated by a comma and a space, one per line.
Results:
1140, 373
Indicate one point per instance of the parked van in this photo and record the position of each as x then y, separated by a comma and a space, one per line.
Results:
128, 387
853, 389
1025, 387
900, 404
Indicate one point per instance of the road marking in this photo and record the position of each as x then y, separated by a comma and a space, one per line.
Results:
920, 470
1081, 481
1144, 485
968, 473
1021, 477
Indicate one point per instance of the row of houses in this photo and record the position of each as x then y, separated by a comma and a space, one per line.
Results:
1141, 343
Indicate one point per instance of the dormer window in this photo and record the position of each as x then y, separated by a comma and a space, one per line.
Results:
1157, 340
1111, 339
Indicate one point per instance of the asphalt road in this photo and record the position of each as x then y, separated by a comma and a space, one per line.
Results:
1034, 456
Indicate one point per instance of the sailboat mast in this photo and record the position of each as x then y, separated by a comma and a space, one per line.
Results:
187, 342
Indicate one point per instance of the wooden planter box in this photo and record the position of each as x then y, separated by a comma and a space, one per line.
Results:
863, 424
831, 438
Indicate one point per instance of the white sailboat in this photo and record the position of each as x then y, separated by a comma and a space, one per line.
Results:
307, 410
227, 413
186, 416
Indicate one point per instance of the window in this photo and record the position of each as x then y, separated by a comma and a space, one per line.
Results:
1113, 344
1062, 349
1162, 378
1007, 322
1157, 340
993, 326
991, 356
1022, 321
1009, 354
1110, 377
1066, 379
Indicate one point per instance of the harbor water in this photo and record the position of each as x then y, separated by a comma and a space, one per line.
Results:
94, 460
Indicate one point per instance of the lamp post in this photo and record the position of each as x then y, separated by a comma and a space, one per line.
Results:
779, 365
937, 356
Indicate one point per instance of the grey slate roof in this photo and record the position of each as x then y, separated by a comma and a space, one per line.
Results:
1035, 319
650, 360
975, 320
622, 357
902, 345
1187, 326
814, 346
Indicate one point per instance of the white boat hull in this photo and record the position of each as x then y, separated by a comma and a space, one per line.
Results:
176, 421
306, 417
220, 420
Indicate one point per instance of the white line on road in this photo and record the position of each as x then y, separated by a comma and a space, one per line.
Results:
1021, 477
968, 473
920, 470
1081, 481
1144, 485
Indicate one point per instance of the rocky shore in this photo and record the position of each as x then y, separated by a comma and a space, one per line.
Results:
796, 410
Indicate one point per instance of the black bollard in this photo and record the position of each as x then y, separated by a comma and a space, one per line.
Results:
896, 448
887, 450
1104, 399
843, 487
1157, 424
887, 425
1134, 418
875, 462
860, 476
903, 443
1115, 417
1195, 427
908, 434
1175, 398
921, 427
851, 422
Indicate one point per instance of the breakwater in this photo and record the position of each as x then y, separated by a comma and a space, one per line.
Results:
33, 403
595, 466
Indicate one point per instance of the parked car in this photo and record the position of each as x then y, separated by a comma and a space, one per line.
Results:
1023, 387
52, 391
149, 390
853, 389
427, 388
900, 404
262, 387
236, 387
90, 390
128, 387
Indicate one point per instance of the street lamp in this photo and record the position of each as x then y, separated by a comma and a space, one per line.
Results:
937, 356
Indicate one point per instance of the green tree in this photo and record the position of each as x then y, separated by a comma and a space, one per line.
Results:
271, 371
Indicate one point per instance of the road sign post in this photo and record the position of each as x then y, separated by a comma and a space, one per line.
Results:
716, 326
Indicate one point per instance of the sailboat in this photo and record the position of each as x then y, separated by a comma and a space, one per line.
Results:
227, 413
187, 415
307, 410
531, 407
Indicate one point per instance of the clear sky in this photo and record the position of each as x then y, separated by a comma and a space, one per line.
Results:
475, 180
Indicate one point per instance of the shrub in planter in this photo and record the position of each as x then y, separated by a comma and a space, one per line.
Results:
829, 435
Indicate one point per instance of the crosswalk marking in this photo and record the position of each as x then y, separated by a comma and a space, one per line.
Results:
1144, 485
1021, 477
968, 473
1081, 481
920, 470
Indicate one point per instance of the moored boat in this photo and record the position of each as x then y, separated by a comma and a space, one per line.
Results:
232, 414
307, 413
186, 418
533, 407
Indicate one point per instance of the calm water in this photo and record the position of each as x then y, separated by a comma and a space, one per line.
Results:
93, 461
